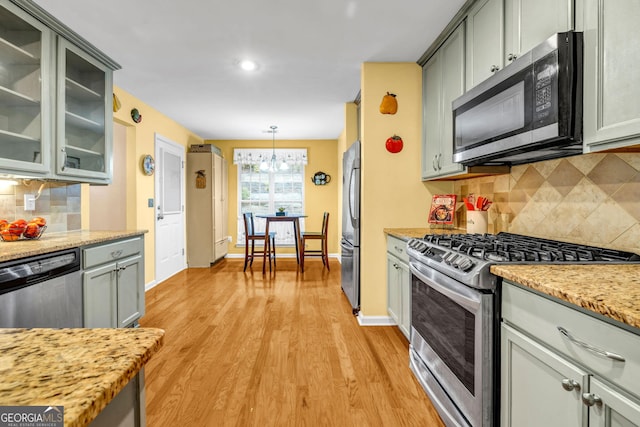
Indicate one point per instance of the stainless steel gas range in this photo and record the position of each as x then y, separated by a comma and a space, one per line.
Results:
455, 316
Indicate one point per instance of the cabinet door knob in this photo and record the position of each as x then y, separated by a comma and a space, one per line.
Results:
494, 68
570, 385
512, 57
591, 399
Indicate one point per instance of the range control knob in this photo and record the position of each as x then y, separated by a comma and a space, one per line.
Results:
417, 245
450, 258
465, 264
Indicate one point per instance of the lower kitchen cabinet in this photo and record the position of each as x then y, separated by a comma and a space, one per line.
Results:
612, 408
113, 283
533, 378
554, 369
127, 409
399, 284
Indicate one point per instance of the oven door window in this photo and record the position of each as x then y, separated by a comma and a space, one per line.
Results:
448, 328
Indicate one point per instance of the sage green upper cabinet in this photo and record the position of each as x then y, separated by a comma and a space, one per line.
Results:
611, 114
498, 31
485, 38
443, 81
530, 22
84, 119
25, 85
50, 75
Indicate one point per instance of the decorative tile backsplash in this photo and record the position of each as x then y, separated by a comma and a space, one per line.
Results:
592, 199
58, 203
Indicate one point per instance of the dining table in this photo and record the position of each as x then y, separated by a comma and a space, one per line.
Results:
290, 217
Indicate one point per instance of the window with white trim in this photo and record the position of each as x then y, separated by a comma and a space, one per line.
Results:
265, 191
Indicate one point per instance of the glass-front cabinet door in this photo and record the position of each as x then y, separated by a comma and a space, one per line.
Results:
25, 103
84, 115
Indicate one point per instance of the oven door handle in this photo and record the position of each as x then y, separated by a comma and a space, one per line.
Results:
467, 297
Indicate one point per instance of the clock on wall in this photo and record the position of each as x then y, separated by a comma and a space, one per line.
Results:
148, 164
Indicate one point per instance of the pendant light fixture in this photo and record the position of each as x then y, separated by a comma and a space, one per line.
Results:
272, 166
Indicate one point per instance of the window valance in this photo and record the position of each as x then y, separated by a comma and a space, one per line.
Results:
292, 156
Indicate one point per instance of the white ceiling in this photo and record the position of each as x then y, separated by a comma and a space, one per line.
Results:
181, 57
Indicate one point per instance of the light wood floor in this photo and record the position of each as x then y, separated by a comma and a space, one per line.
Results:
243, 349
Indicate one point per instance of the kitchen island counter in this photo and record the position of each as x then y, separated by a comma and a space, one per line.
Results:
52, 242
612, 291
80, 369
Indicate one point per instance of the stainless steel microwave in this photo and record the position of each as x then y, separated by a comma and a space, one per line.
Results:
526, 112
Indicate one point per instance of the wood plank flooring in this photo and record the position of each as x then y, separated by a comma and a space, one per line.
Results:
283, 349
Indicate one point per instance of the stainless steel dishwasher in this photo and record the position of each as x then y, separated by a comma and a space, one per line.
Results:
43, 291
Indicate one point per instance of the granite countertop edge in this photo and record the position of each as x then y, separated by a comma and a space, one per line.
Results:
52, 242
612, 291
80, 369
419, 232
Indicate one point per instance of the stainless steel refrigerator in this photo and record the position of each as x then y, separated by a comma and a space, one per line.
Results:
350, 242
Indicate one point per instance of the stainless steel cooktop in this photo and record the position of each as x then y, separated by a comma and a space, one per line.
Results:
468, 257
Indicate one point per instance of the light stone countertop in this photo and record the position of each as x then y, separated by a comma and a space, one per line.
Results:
610, 290
51, 242
417, 233
80, 369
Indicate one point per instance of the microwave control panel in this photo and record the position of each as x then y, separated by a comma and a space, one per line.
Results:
545, 73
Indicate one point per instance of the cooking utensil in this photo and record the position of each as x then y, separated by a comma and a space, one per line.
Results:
468, 204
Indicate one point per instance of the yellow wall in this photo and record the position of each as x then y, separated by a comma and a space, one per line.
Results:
393, 194
321, 157
140, 141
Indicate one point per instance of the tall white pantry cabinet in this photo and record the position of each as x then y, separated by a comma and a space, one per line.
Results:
207, 208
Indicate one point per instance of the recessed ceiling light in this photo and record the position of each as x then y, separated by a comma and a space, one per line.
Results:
248, 65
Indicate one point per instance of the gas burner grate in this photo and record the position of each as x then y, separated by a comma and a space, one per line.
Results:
509, 247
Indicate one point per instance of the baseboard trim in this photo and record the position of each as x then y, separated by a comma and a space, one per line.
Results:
150, 285
375, 320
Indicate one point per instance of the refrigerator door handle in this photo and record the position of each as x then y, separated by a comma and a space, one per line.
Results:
354, 220
345, 244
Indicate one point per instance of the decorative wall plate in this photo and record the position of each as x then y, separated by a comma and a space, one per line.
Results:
148, 164
136, 116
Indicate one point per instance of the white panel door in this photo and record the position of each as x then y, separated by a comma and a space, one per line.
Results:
169, 195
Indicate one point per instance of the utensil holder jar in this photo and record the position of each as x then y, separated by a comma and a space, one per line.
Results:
477, 222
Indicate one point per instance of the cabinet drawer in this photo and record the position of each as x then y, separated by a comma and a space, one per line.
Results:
101, 254
541, 317
397, 247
